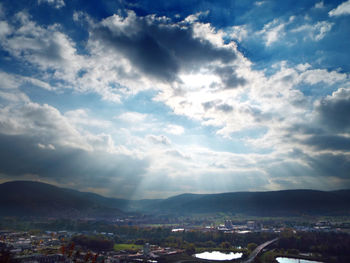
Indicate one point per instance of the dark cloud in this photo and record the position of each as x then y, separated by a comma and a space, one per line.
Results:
334, 112
158, 47
217, 105
208, 105
292, 170
229, 77
302, 128
224, 107
120, 174
317, 171
258, 114
328, 142
331, 165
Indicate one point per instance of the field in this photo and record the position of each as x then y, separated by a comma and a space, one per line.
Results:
118, 247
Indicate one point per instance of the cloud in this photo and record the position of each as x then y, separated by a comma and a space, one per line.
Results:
293, 30
334, 110
38, 140
270, 120
328, 142
314, 76
118, 174
45, 47
43, 122
5, 29
174, 129
10, 87
238, 33
125, 54
273, 31
81, 118
332, 165
319, 5
156, 46
342, 9
177, 154
229, 77
54, 56
133, 117
315, 32
49, 146
161, 139
56, 3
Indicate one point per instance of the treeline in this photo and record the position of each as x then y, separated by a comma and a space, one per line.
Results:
325, 243
164, 236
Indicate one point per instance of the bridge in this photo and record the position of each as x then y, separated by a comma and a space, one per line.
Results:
256, 251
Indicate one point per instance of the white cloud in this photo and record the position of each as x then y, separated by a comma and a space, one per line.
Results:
277, 30
321, 75
5, 29
13, 96
80, 117
45, 47
56, 3
159, 139
133, 117
319, 5
38, 83
273, 31
342, 9
315, 32
41, 121
238, 32
174, 129
273, 34
11, 83
321, 29
260, 3
49, 146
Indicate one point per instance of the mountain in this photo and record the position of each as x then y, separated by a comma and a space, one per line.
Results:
272, 203
27, 198
39, 199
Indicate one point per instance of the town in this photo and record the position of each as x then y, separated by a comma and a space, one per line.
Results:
123, 240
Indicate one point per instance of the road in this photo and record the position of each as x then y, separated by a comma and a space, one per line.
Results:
258, 250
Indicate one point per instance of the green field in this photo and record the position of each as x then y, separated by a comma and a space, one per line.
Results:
118, 247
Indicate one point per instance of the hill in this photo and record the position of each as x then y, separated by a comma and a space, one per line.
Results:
27, 198
39, 199
272, 203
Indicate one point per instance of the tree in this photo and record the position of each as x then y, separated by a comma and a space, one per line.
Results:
251, 247
268, 257
190, 249
225, 245
140, 242
210, 244
293, 251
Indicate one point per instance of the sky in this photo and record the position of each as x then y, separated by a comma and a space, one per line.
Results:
150, 99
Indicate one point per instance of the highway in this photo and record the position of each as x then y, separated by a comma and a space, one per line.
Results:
258, 250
